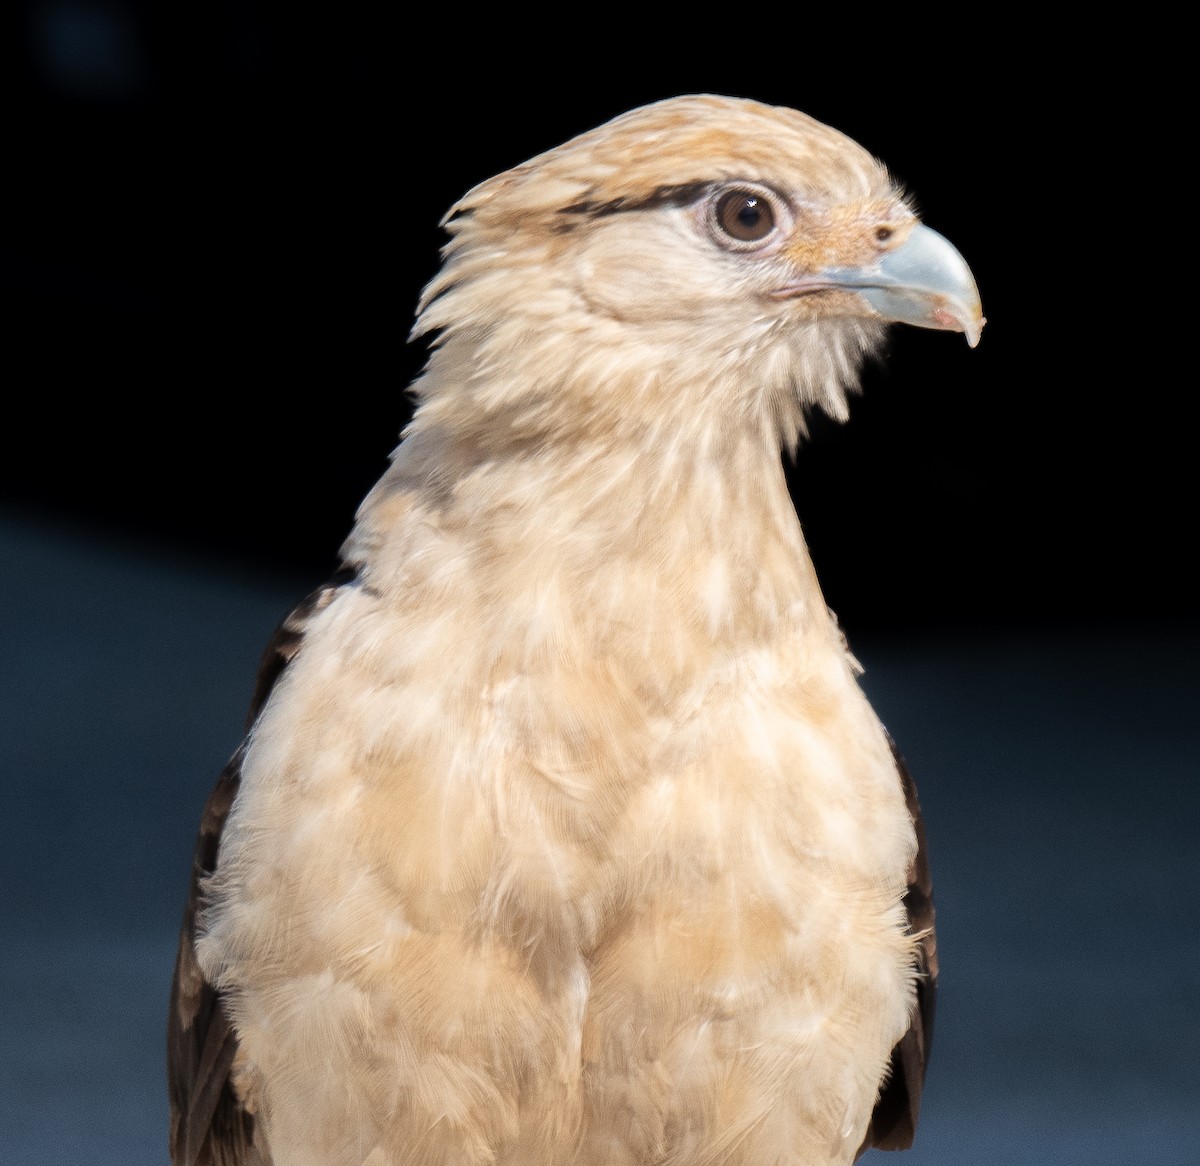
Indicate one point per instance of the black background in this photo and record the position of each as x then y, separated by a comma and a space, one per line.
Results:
217, 219
222, 216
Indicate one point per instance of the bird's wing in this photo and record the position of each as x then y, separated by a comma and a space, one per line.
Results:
894, 1120
210, 1125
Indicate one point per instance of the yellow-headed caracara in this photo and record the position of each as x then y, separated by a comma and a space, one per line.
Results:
563, 834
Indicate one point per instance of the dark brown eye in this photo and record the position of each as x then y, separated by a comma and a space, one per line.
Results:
883, 234
745, 215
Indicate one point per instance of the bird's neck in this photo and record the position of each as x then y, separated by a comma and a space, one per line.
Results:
670, 544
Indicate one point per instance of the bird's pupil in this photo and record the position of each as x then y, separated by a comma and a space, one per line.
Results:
749, 215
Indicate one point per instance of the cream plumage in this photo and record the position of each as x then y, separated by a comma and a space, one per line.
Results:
563, 832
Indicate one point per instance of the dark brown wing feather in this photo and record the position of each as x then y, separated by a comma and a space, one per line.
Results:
209, 1125
894, 1122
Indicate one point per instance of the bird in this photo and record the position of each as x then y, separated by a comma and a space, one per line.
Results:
563, 832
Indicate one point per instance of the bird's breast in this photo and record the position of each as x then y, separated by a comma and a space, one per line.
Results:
581, 874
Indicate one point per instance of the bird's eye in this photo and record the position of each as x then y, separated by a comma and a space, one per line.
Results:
883, 234
744, 215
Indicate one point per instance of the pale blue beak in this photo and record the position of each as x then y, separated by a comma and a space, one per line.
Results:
925, 282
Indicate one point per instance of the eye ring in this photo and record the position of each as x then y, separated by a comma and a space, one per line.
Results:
744, 216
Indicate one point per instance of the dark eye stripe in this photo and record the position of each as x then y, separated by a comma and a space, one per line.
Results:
680, 194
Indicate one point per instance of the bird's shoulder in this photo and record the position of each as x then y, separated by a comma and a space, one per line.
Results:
211, 1123
894, 1119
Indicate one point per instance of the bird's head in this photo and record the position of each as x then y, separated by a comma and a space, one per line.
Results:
693, 262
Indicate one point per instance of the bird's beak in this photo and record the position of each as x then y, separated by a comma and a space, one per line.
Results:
924, 281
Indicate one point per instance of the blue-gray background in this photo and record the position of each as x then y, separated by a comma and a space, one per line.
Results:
219, 221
